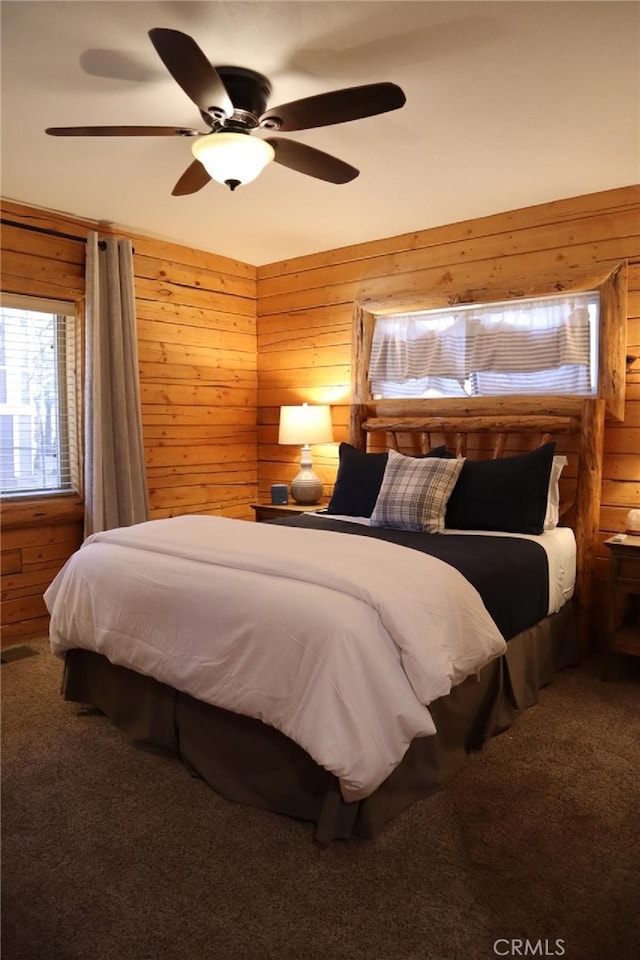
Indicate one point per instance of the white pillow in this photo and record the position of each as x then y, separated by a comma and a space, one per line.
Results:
414, 492
553, 496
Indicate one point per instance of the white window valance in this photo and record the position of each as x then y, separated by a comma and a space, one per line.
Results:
528, 346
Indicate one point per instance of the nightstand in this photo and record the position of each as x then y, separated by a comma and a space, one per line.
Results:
273, 511
624, 581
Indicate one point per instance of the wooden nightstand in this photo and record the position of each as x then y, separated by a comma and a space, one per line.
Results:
624, 581
272, 511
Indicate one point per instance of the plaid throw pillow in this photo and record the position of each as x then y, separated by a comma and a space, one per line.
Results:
414, 493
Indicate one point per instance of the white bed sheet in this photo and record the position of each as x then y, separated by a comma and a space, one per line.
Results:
333, 640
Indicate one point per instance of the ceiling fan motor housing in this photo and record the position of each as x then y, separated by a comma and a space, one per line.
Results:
249, 92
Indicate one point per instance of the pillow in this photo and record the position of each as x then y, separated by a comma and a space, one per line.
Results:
414, 492
440, 451
552, 515
508, 494
359, 479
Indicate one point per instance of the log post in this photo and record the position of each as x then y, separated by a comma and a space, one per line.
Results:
588, 494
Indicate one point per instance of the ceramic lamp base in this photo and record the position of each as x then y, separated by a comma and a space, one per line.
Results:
306, 487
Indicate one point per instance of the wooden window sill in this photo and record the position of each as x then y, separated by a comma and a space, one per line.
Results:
38, 511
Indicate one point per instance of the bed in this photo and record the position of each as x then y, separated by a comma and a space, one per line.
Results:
338, 712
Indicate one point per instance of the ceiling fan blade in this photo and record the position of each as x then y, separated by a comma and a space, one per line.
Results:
193, 179
189, 67
315, 163
338, 106
122, 132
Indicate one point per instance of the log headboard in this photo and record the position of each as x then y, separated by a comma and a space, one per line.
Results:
495, 428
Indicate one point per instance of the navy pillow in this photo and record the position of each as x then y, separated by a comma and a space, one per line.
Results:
359, 480
509, 494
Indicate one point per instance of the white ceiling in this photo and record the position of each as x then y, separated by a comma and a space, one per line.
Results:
508, 104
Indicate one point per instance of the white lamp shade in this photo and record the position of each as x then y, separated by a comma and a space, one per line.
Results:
232, 157
305, 424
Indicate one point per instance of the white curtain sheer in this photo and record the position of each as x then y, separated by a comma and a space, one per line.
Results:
530, 346
115, 477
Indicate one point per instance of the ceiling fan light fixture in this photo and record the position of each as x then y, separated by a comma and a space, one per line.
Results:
232, 159
232, 101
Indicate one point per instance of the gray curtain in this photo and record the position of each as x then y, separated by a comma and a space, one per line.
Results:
114, 472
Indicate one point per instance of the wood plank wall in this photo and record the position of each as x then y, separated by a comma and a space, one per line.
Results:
305, 309
198, 371
201, 379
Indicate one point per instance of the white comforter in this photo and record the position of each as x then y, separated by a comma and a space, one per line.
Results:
338, 642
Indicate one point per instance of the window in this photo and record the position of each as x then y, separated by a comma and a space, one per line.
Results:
38, 450
608, 283
546, 345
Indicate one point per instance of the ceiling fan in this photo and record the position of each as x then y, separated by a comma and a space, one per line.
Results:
233, 102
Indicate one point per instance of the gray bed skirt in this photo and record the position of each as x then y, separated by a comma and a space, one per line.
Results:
246, 761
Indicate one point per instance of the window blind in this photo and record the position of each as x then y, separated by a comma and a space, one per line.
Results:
38, 396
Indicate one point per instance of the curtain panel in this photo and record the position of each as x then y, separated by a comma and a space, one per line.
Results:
115, 476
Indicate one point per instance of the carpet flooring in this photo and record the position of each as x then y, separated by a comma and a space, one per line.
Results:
111, 851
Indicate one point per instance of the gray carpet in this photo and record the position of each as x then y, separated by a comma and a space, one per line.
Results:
113, 852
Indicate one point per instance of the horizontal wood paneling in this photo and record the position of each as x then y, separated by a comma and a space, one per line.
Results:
559, 211
204, 372
42, 551
196, 316
305, 308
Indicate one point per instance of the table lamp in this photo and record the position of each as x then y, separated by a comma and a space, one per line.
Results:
305, 425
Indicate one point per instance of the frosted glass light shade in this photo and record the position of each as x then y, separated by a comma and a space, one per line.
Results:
305, 424
232, 158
